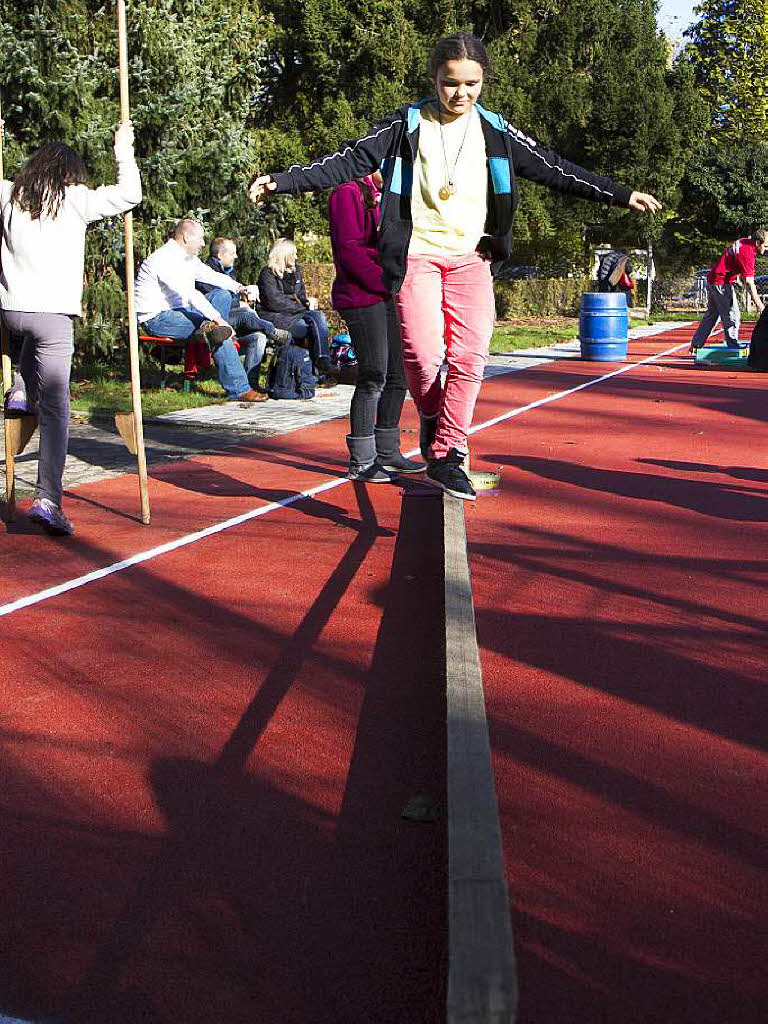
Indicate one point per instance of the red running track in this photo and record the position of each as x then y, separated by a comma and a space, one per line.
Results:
620, 586
206, 755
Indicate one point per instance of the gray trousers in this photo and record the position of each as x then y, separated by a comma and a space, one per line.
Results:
45, 362
722, 304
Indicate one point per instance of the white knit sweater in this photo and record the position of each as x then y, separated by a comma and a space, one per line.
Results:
41, 261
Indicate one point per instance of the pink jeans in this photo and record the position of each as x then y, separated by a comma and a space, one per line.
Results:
446, 311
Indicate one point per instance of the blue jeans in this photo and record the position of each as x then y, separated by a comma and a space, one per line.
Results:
252, 346
182, 324
247, 321
313, 324
252, 332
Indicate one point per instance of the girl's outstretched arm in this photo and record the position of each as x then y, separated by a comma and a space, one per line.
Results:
353, 160
546, 167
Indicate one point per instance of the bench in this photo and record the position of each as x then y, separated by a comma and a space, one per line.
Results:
197, 356
162, 344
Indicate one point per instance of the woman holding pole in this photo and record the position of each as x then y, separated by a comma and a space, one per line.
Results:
44, 214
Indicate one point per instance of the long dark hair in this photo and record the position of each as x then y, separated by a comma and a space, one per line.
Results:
39, 186
367, 195
461, 46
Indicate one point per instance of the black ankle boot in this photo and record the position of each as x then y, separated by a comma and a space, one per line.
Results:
427, 432
388, 454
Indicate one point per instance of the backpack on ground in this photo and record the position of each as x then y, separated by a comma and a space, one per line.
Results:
342, 351
612, 265
290, 375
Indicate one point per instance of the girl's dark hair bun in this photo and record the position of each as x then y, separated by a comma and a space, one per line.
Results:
461, 46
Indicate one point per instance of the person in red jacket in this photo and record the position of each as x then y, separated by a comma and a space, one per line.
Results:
365, 303
737, 261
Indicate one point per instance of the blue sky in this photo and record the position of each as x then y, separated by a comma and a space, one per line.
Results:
675, 15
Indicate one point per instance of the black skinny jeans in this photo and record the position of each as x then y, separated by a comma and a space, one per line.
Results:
380, 389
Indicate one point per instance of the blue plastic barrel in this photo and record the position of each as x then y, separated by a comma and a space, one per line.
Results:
603, 326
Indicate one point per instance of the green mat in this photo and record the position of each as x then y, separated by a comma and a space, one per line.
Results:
709, 356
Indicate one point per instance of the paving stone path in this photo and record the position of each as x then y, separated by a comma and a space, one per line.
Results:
96, 452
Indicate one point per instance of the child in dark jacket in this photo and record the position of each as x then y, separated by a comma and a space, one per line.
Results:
448, 199
365, 303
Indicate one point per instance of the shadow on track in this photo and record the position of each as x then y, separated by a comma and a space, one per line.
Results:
263, 905
718, 500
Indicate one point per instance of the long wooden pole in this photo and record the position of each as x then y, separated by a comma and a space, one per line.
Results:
10, 483
133, 336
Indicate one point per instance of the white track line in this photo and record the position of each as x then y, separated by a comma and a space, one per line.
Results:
227, 524
163, 549
572, 391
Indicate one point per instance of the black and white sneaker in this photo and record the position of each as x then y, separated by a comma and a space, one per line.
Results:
372, 474
448, 474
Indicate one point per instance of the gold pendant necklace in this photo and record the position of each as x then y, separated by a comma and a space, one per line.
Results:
449, 188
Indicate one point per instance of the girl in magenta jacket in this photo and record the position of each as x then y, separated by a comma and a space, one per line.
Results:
361, 298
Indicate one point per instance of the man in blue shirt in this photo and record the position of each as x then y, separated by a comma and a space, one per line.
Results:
251, 330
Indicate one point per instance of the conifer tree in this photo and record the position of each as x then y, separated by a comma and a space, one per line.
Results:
598, 88
193, 71
726, 182
220, 90
728, 52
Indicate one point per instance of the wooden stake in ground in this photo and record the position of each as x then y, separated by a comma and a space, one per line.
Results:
19, 430
131, 425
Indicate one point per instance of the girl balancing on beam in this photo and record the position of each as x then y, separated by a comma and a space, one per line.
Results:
448, 199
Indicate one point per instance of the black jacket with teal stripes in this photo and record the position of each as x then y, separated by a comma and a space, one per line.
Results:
392, 145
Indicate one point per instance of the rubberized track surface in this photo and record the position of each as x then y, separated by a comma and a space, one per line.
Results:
206, 755
620, 590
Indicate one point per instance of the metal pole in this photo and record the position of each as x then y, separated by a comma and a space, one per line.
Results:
648, 281
136, 441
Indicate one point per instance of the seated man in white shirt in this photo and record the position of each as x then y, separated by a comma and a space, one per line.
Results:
169, 305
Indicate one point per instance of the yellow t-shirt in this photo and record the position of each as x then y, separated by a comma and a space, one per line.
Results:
453, 226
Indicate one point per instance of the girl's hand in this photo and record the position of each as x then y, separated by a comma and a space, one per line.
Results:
259, 187
644, 203
124, 137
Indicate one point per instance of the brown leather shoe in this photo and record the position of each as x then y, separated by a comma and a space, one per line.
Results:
216, 333
251, 396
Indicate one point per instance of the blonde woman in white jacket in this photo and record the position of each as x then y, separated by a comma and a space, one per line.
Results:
44, 213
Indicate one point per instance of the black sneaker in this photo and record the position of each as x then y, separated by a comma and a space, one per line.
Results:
372, 474
448, 474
